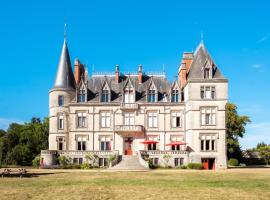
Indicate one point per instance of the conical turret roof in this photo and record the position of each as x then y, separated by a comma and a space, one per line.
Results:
64, 77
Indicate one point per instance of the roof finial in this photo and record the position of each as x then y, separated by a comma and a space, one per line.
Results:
201, 36
65, 31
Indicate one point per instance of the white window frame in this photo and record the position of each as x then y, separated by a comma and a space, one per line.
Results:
174, 116
208, 137
209, 92
152, 120
211, 112
105, 119
82, 140
81, 120
129, 118
60, 122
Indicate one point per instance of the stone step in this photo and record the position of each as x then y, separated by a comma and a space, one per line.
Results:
129, 163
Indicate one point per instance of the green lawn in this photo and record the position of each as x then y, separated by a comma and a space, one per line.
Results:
158, 184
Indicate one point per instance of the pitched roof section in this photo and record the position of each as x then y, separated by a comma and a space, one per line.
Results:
200, 60
64, 77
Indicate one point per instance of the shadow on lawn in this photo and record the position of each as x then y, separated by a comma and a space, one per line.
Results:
31, 174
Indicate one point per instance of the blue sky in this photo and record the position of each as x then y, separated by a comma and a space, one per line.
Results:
128, 33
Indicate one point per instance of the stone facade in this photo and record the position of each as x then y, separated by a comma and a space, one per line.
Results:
173, 123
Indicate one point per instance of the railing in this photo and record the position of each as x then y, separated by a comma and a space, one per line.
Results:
141, 160
79, 153
129, 128
158, 152
129, 106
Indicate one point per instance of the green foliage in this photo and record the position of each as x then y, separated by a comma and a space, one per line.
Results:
85, 166
264, 152
167, 158
233, 162
151, 164
183, 167
36, 161
260, 144
64, 161
20, 144
195, 165
92, 158
235, 125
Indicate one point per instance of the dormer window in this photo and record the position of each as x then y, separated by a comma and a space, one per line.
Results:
151, 96
82, 95
129, 95
105, 96
206, 74
175, 96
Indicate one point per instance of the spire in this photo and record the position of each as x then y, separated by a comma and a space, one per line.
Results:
64, 78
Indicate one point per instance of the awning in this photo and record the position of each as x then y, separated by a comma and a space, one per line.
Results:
176, 143
149, 142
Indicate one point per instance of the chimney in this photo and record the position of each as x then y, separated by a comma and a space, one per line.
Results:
77, 71
140, 74
184, 68
117, 74
182, 75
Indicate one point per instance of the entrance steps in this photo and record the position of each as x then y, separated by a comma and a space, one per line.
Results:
129, 163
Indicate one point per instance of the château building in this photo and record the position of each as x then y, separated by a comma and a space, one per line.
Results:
139, 115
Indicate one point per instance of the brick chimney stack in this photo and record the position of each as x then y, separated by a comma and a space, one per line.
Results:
117, 73
140, 74
77, 71
184, 68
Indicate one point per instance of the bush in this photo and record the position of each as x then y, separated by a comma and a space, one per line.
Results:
183, 167
195, 165
36, 161
85, 166
151, 164
64, 161
233, 162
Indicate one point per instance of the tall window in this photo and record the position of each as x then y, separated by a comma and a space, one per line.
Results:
105, 143
206, 74
208, 92
129, 118
60, 122
105, 119
178, 162
175, 96
151, 96
105, 96
152, 146
82, 95
129, 95
177, 138
60, 100
60, 143
81, 119
81, 143
208, 142
208, 116
176, 119
152, 120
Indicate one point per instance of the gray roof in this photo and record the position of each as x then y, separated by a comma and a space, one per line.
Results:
200, 59
64, 77
96, 83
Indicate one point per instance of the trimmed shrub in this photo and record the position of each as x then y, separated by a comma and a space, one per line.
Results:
183, 167
64, 161
233, 162
195, 165
36, 161
85, 166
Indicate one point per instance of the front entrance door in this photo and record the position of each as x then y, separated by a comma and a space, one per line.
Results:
208, 163
128, 145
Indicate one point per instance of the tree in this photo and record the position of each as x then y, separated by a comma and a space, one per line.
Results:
235, 125
261, 144
264, 152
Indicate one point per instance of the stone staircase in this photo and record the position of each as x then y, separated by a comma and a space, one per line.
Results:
129, 163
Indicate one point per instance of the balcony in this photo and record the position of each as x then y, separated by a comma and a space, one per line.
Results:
129, 106
129, 130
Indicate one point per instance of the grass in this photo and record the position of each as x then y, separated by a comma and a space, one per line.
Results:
157, 184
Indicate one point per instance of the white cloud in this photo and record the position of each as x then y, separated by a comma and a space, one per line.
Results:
256, 66
264, 38
255, 133
4, 122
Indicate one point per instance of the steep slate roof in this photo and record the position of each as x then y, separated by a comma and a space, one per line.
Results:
95, 84
64, 77
200, 59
